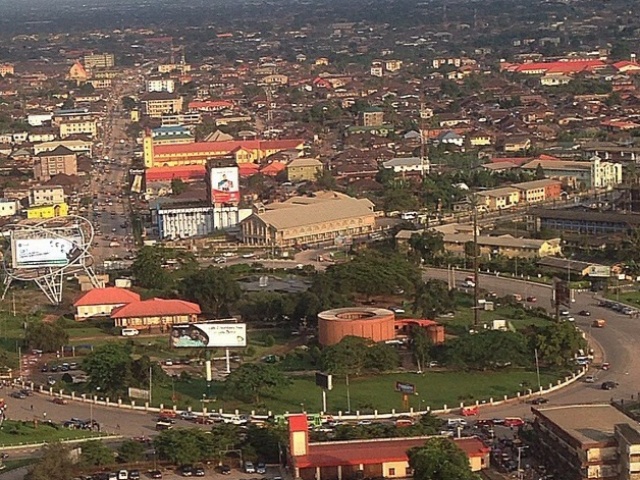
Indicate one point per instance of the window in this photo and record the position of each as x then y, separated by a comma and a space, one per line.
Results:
409, 471
392, 472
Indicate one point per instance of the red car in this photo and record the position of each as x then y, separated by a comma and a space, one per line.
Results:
513, 422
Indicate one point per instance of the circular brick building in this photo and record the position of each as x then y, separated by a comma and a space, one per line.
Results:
376, 324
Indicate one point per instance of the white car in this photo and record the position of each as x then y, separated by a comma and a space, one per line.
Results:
249, 468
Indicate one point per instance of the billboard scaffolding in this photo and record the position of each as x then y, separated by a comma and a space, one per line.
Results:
46, 252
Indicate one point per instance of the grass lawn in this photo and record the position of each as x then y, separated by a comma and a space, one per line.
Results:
22, 433
630, 298
15, 464
367, 393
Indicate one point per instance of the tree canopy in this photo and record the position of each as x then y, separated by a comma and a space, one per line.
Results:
433, 298
148, 270
214, 289
440, 459
355, 355
48, 337
250, 382
54, 464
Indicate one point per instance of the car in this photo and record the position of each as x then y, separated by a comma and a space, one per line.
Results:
134, 474
225, 469
608, 385
18, 395
249, 468
365, 422
589, 379
186, 471
60, 401
605, 366
564, 312
513, 422
261, 468
155, 474
532, 299
433, 364
51, 381
398, 310
538, 401
199, 471
189, 416
53, 368
584, 313
44, 368
123, 475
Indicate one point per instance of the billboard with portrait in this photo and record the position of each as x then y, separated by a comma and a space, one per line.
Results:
209, 335
43, 252
224, 184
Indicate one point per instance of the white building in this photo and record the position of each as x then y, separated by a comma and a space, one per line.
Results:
175, 220
407, 164
161, 85
46, 195
8, 208
39, 119
605, 174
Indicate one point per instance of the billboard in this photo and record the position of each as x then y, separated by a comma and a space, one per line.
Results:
324, 380
406, 388
139, 393
224, 183
44, 252
600, 271
209, 335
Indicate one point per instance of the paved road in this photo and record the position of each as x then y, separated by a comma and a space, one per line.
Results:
618, 341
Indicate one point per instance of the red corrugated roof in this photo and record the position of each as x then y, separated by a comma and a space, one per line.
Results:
188, 172
515, 160
107, 296
367, 452
204, 147
273, 168
573, 66
156, 307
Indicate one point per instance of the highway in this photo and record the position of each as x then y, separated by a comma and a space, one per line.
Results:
618, 340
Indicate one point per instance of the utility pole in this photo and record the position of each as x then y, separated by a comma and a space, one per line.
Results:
476, 287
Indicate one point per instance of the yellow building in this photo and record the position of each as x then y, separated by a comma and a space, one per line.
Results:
81, 127
505, 245
499, 198
77, 73
304, 169
155, 104
48, 211
6, 69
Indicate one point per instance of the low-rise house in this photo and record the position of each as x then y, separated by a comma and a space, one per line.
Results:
505, 245
539, 190
407, 165
156, 312
499, 198
304, 169
100, 302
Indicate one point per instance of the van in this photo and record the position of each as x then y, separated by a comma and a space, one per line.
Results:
130, 332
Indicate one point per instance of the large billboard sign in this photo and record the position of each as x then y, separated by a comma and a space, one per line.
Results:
209, 335
43, 252
225, 187
599, 271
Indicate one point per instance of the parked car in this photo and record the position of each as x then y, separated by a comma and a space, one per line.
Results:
261, 468
589, 379
189, 416
584, 313
134, 474
60, 401
199, 471
532, 299
225, 469
123, 475
249, 468
155, 474
513, 422
186, 471
538, 401
18, 395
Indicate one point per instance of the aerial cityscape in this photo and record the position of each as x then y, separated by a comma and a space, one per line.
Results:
320, 240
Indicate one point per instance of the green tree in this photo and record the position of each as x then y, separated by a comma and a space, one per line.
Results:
540, 175
131, 451
433, 298
428, 245
354, 355
109, 368
250, 382
129, 103
266, 441
557, 343
214, 289
54, 464
148, 271
48, 337
420, 345
440, 459
182, 446
177, 186
488, 349
96, 454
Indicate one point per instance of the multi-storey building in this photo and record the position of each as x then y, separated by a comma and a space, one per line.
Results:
99, 60
155, 104
80, 127
49, 164
46, 195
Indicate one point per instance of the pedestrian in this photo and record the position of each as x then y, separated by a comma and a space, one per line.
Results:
118, 426
44, 414
32, 407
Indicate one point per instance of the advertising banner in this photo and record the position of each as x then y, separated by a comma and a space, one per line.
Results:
406, 388
225, 187
43, 252
140, 393
209, 335
600, 271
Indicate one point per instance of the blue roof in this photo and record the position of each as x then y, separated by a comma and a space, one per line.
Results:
179, 129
